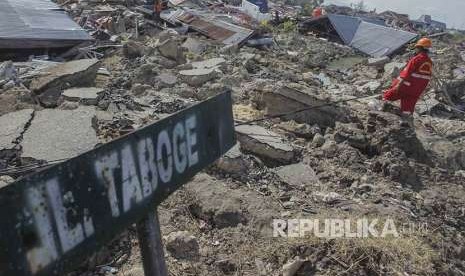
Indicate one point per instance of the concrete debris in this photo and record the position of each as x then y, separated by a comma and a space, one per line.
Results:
298, 175
198, 77
232, 162
182, 245
291, 268
167, 80
84, 95
59, 134
194, 46
392, 69
209, 63
172, 50
378, 62
285, 99
5, 180
73, 73
265, 143
134, 49
13, 126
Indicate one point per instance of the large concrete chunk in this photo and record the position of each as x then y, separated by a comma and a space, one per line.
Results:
12, 127
264, 143
84, 95
59, 134
287, 99
75, 73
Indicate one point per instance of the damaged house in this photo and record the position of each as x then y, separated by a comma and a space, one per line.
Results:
37, 24
366, 35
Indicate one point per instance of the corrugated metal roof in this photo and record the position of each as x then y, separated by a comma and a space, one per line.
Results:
36, 20
378, 41
210, 26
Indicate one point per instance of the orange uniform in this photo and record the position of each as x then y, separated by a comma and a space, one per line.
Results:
416, 75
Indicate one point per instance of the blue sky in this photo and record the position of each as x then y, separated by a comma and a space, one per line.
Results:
450, 11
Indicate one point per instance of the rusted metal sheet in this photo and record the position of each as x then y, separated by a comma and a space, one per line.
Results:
53, 220
209, 25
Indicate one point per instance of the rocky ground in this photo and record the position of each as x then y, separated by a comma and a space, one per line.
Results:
341, 160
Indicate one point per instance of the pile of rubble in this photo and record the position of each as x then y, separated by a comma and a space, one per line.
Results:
340, 159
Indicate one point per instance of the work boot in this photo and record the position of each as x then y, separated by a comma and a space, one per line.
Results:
406, 120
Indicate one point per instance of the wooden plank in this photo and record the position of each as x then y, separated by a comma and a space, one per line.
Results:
53, 220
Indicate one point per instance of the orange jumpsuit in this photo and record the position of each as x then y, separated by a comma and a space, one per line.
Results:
416, 76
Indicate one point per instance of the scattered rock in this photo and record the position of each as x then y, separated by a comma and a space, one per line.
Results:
167, 80
298, 175
134, 49
318, 140
232, 162
182, 245
291, 268
392, 69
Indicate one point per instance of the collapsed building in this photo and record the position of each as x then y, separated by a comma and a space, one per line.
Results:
367, 35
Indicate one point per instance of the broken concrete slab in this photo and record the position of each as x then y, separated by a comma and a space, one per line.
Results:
286, 99
12, 127
208, 63
60, 134
299, 175
74, 73
265, 144
84, 95
198, 77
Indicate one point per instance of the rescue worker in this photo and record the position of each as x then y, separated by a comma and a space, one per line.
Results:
412, 81
317, 12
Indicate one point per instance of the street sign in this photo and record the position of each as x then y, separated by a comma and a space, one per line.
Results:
52, 220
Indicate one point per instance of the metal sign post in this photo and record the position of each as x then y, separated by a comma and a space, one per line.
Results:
151, 246
52, 220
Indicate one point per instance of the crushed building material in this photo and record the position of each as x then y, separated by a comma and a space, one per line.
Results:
59, 134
